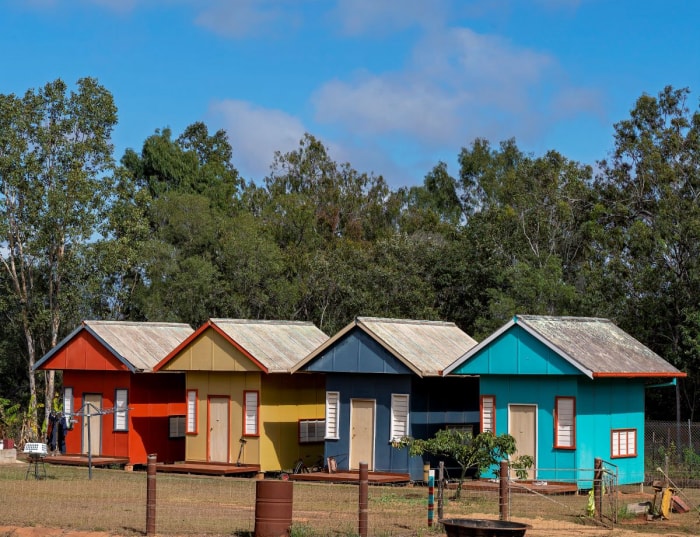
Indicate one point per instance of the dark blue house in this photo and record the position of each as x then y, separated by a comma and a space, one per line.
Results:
383, 383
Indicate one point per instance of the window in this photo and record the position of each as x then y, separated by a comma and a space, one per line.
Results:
399, 416
121, 423
250, 413
68, 406
488, 414
311, 431
191, 411
176, 426
624, 443
565, 422
332, 414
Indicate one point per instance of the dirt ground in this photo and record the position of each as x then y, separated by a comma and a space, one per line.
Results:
539, 528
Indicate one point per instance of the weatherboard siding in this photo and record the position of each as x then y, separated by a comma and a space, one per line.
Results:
516, 352
357, 352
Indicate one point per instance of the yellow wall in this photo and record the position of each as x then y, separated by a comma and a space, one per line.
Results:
284, 400
208, 383
210, 351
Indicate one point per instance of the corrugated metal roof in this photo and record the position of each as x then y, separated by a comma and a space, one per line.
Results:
278, 345
142, 345
597, 345
425, 347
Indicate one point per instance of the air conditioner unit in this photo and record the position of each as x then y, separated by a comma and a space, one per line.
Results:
35, 448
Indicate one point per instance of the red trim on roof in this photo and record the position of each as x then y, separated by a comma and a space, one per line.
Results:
195, 334
649, 374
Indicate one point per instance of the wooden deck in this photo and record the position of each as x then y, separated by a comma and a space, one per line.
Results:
82, 460
208, 468
350, 476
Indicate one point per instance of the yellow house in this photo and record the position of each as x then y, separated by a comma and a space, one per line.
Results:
243, 405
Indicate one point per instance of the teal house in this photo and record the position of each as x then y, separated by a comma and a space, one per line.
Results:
570, 390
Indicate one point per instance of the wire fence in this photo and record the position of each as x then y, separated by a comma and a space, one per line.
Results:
673, 447
115, 501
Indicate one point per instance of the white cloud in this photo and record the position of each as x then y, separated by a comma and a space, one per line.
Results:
256, 133
385, 16
458, 85
244, 18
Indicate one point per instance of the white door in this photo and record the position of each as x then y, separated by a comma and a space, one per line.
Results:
218, 429
362, 433
92, 424
522, 425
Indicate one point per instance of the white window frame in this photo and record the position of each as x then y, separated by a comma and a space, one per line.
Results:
400, 414
121, 409
191, 419
565, 422
68, 406
488, 414
332, 415
623, 443
251, 413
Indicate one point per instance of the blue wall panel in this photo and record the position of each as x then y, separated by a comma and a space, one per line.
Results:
516, 352
357, 352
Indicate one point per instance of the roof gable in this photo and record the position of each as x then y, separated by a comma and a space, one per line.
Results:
594, 347
357, 352
137, 346
422, 347
250, 345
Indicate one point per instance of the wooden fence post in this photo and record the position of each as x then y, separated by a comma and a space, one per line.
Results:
151, 495
363, 525
503, 491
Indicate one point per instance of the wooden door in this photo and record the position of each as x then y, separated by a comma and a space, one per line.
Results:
92, 424
522, 425
362, 432
218, 429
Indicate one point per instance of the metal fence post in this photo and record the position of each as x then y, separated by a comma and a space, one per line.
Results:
151, 495
363, 526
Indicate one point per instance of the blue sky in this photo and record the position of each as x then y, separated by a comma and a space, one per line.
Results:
390, 86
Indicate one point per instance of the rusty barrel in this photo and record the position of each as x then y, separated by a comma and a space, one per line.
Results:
273, 508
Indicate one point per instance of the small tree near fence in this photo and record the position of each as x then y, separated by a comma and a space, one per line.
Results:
480, 451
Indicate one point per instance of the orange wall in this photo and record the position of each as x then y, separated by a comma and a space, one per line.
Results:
152, 398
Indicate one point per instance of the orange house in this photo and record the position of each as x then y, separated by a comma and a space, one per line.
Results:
114, 403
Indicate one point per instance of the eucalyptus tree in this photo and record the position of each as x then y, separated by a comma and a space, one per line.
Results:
532, 216
649, 219
55, 154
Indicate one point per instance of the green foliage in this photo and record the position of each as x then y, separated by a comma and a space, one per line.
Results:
480, 451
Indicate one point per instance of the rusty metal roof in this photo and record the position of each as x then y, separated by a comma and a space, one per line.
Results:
142, 345
277, 345
597, 347
425, 347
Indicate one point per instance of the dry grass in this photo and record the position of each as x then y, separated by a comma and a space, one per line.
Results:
114, 501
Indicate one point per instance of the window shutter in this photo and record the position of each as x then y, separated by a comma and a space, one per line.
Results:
399, 416
120, 410
565, 422
191, 411
488, 414
251, 413
332, 414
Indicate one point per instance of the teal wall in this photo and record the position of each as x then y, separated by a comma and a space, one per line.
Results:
517, 368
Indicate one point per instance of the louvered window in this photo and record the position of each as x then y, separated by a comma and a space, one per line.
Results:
332, 414
68, 406
488, 414
565, 423
250, 414
121, 423
191, 411
399, 416
624, 443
